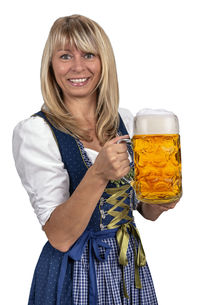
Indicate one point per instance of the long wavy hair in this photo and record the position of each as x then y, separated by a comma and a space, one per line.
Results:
87, 36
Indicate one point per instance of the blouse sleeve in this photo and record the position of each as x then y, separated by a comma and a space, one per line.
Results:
40, 167
127, 118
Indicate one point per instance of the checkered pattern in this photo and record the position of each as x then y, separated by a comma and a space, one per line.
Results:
109, 279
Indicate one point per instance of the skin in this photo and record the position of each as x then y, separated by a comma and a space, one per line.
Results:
153, 211
71, 63
112, 163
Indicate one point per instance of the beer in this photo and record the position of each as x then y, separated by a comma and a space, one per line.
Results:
157, 157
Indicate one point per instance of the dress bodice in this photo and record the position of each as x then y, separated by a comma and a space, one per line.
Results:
114, 199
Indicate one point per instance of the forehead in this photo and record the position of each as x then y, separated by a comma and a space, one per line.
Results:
63, 42
67, 47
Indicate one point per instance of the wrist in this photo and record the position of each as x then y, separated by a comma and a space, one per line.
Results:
97, 176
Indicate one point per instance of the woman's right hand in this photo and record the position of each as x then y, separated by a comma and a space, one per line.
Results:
112, 162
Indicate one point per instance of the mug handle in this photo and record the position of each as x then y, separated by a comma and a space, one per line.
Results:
128, 141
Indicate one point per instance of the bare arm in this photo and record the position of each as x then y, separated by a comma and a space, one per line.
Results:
69, 220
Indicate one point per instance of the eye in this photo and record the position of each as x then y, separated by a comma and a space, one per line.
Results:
65, 56
89, 55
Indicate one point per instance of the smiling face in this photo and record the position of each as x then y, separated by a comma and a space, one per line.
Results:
77, 73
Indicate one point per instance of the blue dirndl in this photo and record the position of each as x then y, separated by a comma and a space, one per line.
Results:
106, 265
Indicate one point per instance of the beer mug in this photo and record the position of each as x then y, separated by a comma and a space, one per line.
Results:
157, 157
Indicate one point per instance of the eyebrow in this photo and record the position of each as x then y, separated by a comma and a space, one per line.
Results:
68, 50
65, 50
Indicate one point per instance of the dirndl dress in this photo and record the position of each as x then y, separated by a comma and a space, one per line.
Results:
107, 264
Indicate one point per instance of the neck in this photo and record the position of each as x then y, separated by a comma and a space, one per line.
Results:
83, 109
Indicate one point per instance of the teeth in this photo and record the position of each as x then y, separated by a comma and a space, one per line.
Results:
78, 80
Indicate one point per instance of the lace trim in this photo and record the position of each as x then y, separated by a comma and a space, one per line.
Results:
83, 153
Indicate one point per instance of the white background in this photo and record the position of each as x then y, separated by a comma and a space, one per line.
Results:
157, 50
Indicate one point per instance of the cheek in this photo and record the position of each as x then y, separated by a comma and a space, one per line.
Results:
59, 73
59, 70
97, 69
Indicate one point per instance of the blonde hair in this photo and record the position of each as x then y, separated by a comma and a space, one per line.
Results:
87, 36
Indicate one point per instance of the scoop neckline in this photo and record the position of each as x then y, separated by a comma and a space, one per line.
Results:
92, 149
84, 154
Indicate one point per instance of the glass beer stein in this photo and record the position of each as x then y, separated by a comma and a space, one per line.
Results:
157, 157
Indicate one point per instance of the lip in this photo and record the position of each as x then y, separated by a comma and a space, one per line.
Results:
81, 84
78, 77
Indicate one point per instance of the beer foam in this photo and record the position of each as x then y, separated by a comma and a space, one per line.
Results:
155, 121
148, 111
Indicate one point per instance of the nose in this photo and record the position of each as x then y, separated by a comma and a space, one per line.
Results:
78, 64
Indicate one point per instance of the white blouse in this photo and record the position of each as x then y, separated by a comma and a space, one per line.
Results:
39, 164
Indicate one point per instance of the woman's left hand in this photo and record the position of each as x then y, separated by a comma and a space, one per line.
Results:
153, 211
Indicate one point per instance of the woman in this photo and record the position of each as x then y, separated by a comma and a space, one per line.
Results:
72, 166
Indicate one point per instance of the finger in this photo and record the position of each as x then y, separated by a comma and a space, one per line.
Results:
114, 140
158, 206
126, 169
125, 164
169, 205
127, 141
121, 147
123, 156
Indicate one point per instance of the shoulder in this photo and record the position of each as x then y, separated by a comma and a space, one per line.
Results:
127, 118
125, 113
32, 125
33, 130
33, 133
